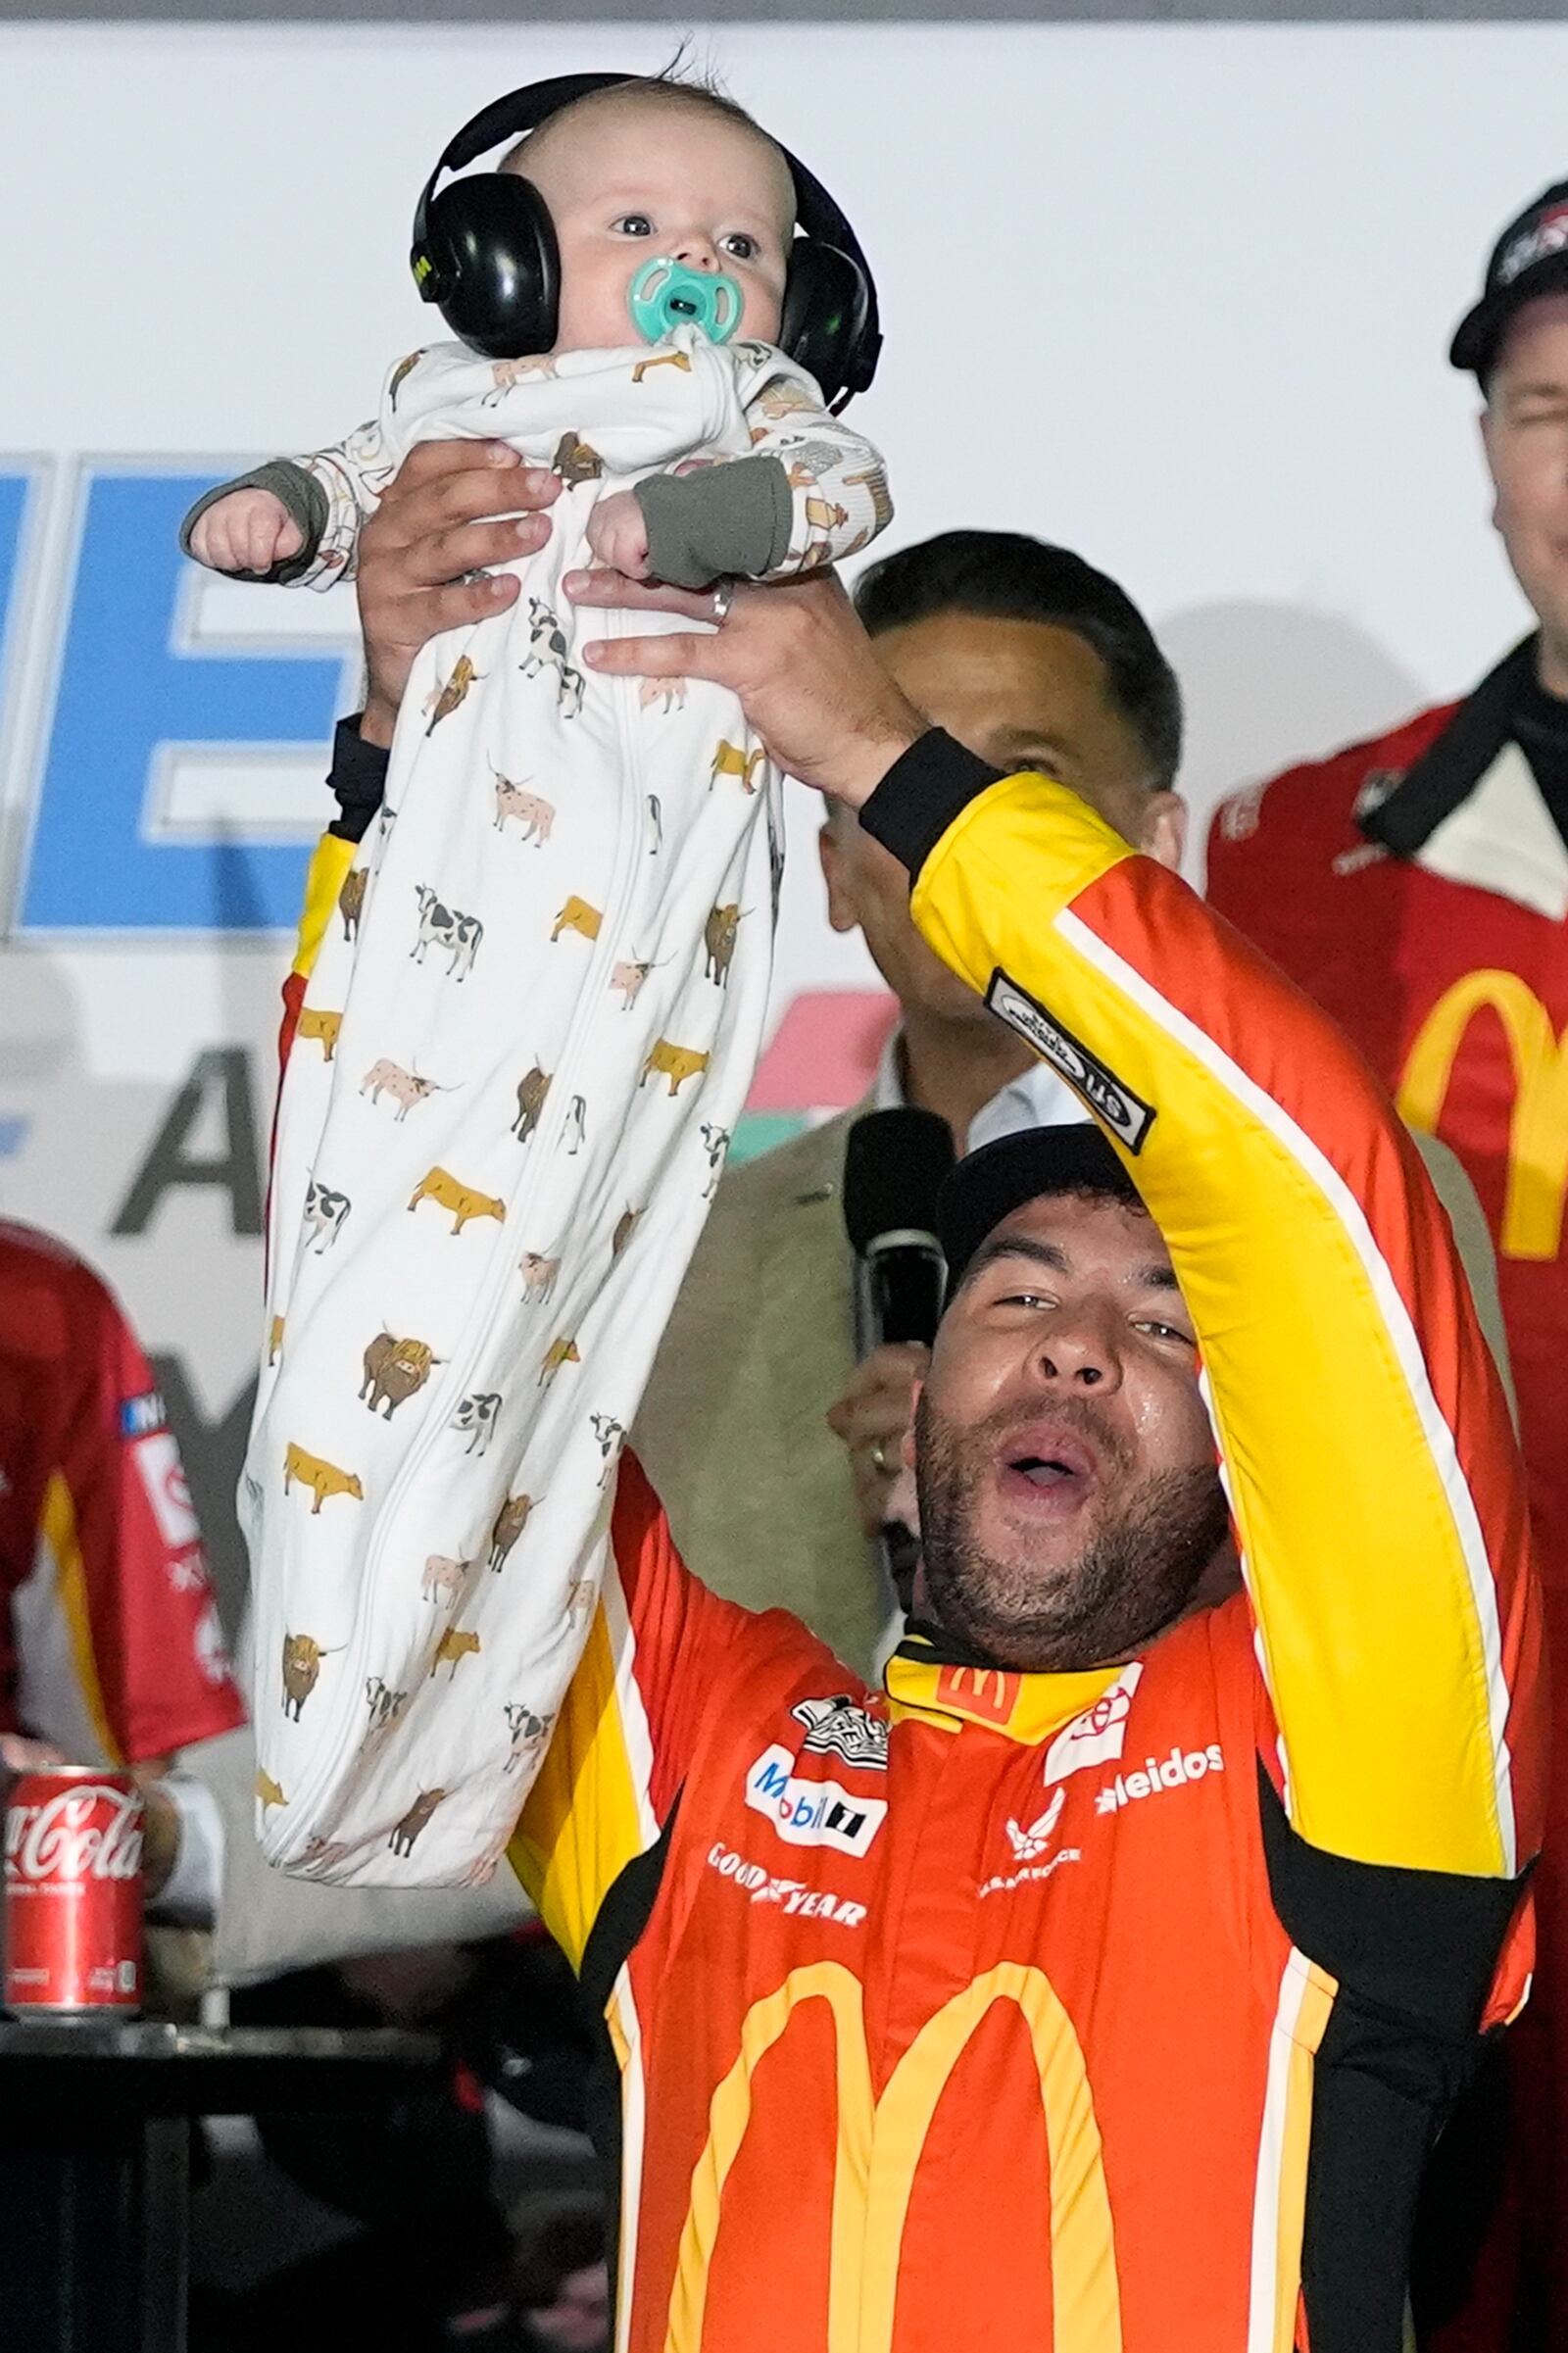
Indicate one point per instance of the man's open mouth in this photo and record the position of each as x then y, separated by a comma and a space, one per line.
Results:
1046, 1470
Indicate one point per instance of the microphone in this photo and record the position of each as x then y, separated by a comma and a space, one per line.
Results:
892, 1171
894, 1165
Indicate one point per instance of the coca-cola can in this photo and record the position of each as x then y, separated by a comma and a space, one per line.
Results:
73, 1892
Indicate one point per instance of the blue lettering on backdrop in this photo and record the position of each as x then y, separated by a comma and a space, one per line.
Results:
128, 688
17, 485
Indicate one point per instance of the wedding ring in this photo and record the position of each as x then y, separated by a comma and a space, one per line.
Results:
723, 598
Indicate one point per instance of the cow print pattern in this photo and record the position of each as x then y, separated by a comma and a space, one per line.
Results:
527, 1038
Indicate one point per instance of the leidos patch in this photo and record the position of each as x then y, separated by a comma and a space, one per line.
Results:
1127, 1115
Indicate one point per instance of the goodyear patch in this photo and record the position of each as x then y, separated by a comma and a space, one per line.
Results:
1125, 1113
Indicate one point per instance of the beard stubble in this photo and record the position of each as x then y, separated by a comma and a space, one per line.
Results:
1135, 1576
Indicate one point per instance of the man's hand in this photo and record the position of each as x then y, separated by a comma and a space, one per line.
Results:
875, 1418
453, 508
797, 656
160, 1833
619, 536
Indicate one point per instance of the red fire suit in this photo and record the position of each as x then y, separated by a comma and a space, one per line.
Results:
110, 1643
1417, 887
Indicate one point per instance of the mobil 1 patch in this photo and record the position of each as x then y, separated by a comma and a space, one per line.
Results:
1109, 1097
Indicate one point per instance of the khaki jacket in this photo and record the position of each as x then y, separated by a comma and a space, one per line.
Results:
732, 1430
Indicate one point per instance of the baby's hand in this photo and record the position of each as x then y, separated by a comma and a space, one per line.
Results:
619, 536
249, 531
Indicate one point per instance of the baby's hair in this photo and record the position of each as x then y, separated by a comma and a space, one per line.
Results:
688, 77
683, 79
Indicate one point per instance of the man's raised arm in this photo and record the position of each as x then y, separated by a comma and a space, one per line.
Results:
1367, 1447
1366, 1440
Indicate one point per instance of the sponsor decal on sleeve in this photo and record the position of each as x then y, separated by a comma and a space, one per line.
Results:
1125, 1113
140, 1415
157, 1458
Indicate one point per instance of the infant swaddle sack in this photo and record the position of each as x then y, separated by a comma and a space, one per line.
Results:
527, 1036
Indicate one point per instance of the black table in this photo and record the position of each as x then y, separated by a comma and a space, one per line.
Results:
95, 2125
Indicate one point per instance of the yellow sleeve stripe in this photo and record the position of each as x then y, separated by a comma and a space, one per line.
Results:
57, 1526
330, 862
588, 1815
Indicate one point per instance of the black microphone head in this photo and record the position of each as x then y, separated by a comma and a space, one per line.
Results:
892, 1171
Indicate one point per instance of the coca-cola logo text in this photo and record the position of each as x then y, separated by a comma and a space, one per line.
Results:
89, 1832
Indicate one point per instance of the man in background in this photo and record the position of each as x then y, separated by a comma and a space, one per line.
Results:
110, 1650
1418, 886
1031, 659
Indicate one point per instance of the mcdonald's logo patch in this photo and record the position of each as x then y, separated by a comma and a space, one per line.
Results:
988, 1694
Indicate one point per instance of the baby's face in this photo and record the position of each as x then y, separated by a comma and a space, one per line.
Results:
628, 179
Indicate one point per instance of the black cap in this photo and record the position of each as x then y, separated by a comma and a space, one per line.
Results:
1529, 259
1031, 1165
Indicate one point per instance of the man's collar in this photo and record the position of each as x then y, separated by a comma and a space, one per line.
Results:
933, 1675
1035, 1098
887, 1088
1469, 809
1433, 787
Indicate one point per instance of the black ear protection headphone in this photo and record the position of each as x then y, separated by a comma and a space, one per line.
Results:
484, 249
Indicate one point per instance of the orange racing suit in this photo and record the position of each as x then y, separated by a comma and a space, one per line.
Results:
1107, 2012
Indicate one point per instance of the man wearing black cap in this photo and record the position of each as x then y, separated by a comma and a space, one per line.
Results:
1418, 886
1097, 1986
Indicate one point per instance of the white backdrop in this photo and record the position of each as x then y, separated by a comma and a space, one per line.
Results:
1177, 297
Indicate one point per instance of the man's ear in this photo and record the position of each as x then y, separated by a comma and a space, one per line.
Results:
1163, 833
842, 912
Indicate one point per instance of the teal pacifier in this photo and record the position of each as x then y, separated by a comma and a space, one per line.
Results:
665, 295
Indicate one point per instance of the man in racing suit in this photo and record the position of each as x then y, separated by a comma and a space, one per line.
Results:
1100, 1982
110, 1650
1417, 887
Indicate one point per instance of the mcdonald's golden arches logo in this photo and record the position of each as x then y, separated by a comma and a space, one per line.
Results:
880, 2145
989, 1693
1538, 1127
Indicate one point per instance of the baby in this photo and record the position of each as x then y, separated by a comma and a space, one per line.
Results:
663, 168
531, 1026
